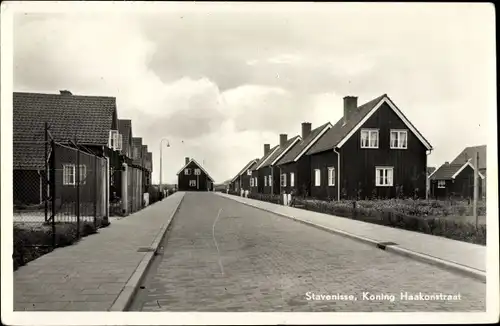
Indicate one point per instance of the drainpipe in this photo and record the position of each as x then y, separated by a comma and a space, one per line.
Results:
338, 174
427, 181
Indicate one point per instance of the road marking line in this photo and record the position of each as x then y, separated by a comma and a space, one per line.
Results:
215, 241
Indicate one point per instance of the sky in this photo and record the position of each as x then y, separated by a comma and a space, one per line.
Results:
220, 81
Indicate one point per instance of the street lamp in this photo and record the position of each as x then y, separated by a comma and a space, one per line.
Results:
161, 160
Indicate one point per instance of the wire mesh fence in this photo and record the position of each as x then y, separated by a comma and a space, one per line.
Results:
59, 198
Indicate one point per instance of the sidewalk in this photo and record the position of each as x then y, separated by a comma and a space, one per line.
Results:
99, 273
457, 255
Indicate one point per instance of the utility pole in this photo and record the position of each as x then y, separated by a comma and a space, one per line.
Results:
476, 187
161, 165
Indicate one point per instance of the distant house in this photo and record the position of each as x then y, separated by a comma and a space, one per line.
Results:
454, 181
89, 121
193, 177
257, 180
125, 129
468, 153
295, 166
242, 179
269, 171
372, 151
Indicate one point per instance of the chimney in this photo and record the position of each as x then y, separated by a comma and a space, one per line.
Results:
306, 129
187, 160
283, 139
267, 148
446, 163
65, 92
350, 104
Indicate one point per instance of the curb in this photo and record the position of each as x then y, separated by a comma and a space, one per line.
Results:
124, 299
395, 249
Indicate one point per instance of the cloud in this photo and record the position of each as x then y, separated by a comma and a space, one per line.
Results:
219, 84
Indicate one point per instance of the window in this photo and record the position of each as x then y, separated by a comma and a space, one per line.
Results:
197, 171
270, 180
256, 184
136, 153
441, 184
369, 138
113, 138
265, 181
399, 139
292, 179
68, 174
187, 171
251, 182
383, 176
317, 177
83, 174
331, 176
283, 180
119, 142
192, 183
249, 172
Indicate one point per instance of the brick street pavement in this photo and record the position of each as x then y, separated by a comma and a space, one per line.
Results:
90, 275
269, 263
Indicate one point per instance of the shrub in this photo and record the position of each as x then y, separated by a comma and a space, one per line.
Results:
409, 214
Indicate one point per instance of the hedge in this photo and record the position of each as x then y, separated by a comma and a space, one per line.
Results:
412, 215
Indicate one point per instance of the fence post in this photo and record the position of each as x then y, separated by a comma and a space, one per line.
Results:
45, 177
95, 192
52, 186
77, 171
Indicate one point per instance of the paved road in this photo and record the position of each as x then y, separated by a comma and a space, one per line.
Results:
262, 262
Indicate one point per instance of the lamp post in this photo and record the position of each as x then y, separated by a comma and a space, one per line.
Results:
161, 161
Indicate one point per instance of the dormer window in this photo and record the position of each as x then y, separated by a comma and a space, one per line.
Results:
115, 140
369, 138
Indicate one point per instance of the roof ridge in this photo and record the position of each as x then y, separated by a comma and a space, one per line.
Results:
64, 96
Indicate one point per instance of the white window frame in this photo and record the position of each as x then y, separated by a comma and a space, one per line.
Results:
119, 142
197, 172
441, 184
369, 133
187, 171
265, 181
283, 180
388, 180
398, 133
83, 174
331, 176
192, 183
270, 180
256, 181
112, 138
249, 172
67, 168
292, 179
317, 177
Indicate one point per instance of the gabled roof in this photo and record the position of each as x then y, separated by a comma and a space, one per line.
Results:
264, 158
201, 168
88, 119
469, 152
451, 171
125, 129
282, 150
247, 166
303, 145
340, 133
